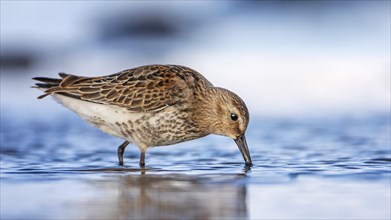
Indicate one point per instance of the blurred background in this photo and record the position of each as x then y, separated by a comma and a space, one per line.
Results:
284, 58
315, 76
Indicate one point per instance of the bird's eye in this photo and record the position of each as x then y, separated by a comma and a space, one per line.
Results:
234, 116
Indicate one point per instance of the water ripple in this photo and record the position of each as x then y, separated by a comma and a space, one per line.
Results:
287, 148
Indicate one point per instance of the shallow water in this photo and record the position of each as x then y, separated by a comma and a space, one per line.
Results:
336, 168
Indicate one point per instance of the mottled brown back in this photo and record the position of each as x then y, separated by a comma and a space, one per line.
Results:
141, 89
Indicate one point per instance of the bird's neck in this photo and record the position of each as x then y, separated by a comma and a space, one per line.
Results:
209, 111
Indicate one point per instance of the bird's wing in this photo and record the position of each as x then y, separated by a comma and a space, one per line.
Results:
142, 89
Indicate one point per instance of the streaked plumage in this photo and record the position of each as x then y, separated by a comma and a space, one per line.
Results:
152, 105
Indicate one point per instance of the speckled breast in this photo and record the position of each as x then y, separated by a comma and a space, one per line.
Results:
166, 127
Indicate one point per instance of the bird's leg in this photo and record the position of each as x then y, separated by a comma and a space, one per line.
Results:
142, 159
121, 150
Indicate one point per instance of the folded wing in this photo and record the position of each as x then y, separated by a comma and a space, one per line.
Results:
147, 88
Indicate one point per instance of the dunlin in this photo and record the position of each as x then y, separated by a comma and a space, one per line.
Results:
153, 105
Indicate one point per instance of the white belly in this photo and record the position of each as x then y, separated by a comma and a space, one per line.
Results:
102, 116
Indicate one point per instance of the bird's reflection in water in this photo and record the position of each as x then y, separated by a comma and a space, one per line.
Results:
167, 197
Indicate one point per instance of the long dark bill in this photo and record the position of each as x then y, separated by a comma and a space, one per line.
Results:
242, 144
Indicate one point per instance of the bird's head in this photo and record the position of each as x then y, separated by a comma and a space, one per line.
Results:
229, 116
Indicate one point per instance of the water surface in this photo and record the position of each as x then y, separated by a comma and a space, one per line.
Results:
336, 168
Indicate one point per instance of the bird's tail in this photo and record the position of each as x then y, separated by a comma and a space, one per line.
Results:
48, 85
